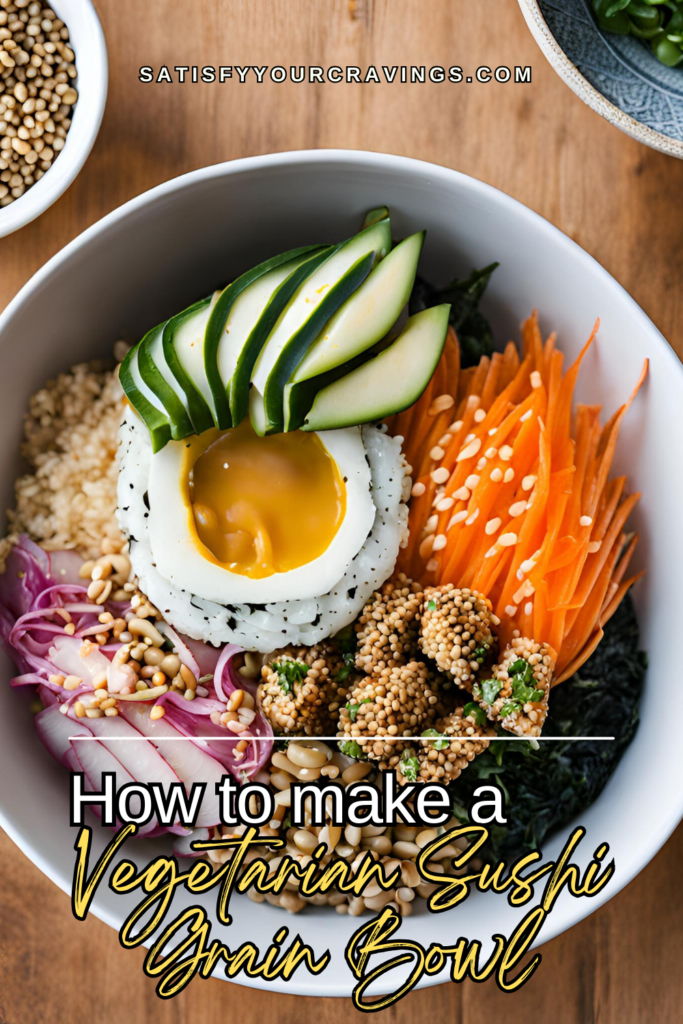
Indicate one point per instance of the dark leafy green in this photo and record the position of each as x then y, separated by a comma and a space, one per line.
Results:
290, 672
548, 787
470, 325
659, 22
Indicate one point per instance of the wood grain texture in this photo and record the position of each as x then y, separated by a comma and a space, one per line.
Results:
538, 143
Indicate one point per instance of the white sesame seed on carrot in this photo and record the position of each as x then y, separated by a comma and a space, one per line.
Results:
439, 542
472, 481
492, 551
472, 518
437, 453
469, 437
492, 525
507, 540
418, 490
585, 521
526, 416
528, 608
505, 453
432, 565
480, 465
517, 509
455, 427
445, 440
491, 453
528, 482
509, 475
479, 415
440, 404
440, 475
462, 494
593, 546
457, 518
426, 546
496, 475
510, 610
431, 524
492, 431
444, 504
535, 379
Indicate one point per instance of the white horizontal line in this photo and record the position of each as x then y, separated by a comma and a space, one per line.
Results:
238, 737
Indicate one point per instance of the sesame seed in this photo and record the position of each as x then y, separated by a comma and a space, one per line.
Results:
426, 546
528, 608
457, 518
492, 551
496, 475
437, 452
455, 427
492, 525
431, 524
432, 565
445, 504
517, 509
507, 540
439, 542
472, 481
480, 465
527, 565
470, 437
526, 416
462, 494
510, 610
505, 453
445, 440
491, 453
585, 521
594, 546
472, 517
509, 475
493, 431
440, 475
479, 415
418, 490
535, 379
440, 404
528, 482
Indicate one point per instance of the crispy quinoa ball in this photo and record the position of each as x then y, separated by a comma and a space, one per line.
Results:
398, 701
302, 688
456, 631
442, 756
517, 693
388, 628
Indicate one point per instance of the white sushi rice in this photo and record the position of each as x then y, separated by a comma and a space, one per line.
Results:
270, 626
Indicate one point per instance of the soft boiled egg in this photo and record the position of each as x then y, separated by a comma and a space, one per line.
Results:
238, 518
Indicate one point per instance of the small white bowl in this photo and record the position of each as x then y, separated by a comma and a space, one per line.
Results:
87, 39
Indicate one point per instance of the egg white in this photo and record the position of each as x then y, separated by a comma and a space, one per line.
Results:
180, 561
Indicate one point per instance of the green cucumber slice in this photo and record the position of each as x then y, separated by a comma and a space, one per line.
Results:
155, 373
387, 384
283, 284
372, 216
183, 343
154, 418
307, 313
215, 329
369, 314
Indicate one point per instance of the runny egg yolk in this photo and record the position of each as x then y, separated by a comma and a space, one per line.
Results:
261, 505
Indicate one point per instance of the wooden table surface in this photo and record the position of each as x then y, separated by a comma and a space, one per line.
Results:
539, 143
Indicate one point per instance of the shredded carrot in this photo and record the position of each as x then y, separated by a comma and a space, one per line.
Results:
514, 480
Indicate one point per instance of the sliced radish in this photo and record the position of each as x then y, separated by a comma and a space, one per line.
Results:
94, 759
65, 656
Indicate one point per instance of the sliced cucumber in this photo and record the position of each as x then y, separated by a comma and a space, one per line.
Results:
372, 216
253, 317
215, 329
387, 384
156, 374
183, 342
312, 306
369, 314
145, 403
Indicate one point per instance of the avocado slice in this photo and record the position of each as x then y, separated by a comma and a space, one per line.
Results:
391, 382
259, 307
155, 373
313, 305
216, 326
369, 314
183, 344
144, 402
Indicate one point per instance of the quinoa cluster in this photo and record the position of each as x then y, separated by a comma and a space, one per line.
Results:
388, 628
456, 631
517, 693
446, 750
302, 689
398, 701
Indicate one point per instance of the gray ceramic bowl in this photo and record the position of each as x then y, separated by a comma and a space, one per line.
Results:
618, 76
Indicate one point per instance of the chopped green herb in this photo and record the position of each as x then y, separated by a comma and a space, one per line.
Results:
410, 766
490, 688
481, 653
290, 672
286, 822
431, 606
441, 742
536, 696
352, 749
510, 708
345, 671
472, 710
353, 709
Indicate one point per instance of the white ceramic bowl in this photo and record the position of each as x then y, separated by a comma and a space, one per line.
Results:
182, 239
88, 43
